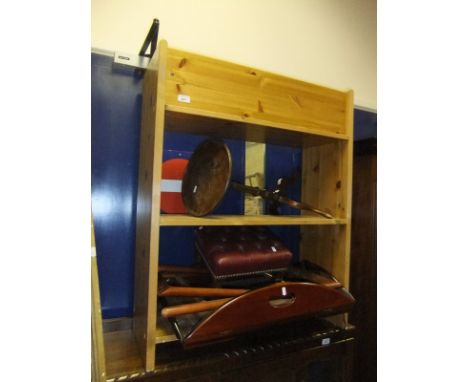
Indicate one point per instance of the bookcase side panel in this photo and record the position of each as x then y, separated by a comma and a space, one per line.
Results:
148, 207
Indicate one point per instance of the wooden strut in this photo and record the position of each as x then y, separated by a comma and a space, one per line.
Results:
196, 307
173, 291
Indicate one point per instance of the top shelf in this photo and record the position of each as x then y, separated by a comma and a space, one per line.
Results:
196, 121
251, 104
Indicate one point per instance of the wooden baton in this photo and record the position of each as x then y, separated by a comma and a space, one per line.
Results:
196, 307
172, 291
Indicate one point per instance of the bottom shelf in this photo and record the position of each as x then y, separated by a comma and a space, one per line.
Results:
317, 337
122, 356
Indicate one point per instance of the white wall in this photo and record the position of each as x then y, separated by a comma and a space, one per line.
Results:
329, 42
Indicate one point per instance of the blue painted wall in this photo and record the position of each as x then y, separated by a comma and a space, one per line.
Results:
115, 121
115, 127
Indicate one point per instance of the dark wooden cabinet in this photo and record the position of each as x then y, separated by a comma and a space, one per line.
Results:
307, 350
363, 278
287, 358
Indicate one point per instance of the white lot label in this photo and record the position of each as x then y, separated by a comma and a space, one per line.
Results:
183, 98
171, 185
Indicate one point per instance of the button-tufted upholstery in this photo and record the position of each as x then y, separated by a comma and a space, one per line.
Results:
239, 251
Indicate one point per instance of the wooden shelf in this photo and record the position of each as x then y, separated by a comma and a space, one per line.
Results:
122, 356
164, 332
215, 220
208, 87
199, 121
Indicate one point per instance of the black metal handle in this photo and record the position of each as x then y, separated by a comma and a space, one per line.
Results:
151, 38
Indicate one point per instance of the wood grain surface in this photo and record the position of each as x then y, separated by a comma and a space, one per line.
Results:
148, 205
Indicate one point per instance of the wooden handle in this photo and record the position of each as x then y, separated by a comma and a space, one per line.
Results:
200, 292
196, 307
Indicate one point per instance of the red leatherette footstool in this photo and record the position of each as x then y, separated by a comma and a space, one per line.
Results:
232, 252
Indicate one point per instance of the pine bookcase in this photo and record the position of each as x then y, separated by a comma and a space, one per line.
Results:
192, 93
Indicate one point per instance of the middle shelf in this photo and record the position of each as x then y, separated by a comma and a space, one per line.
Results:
226, 220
